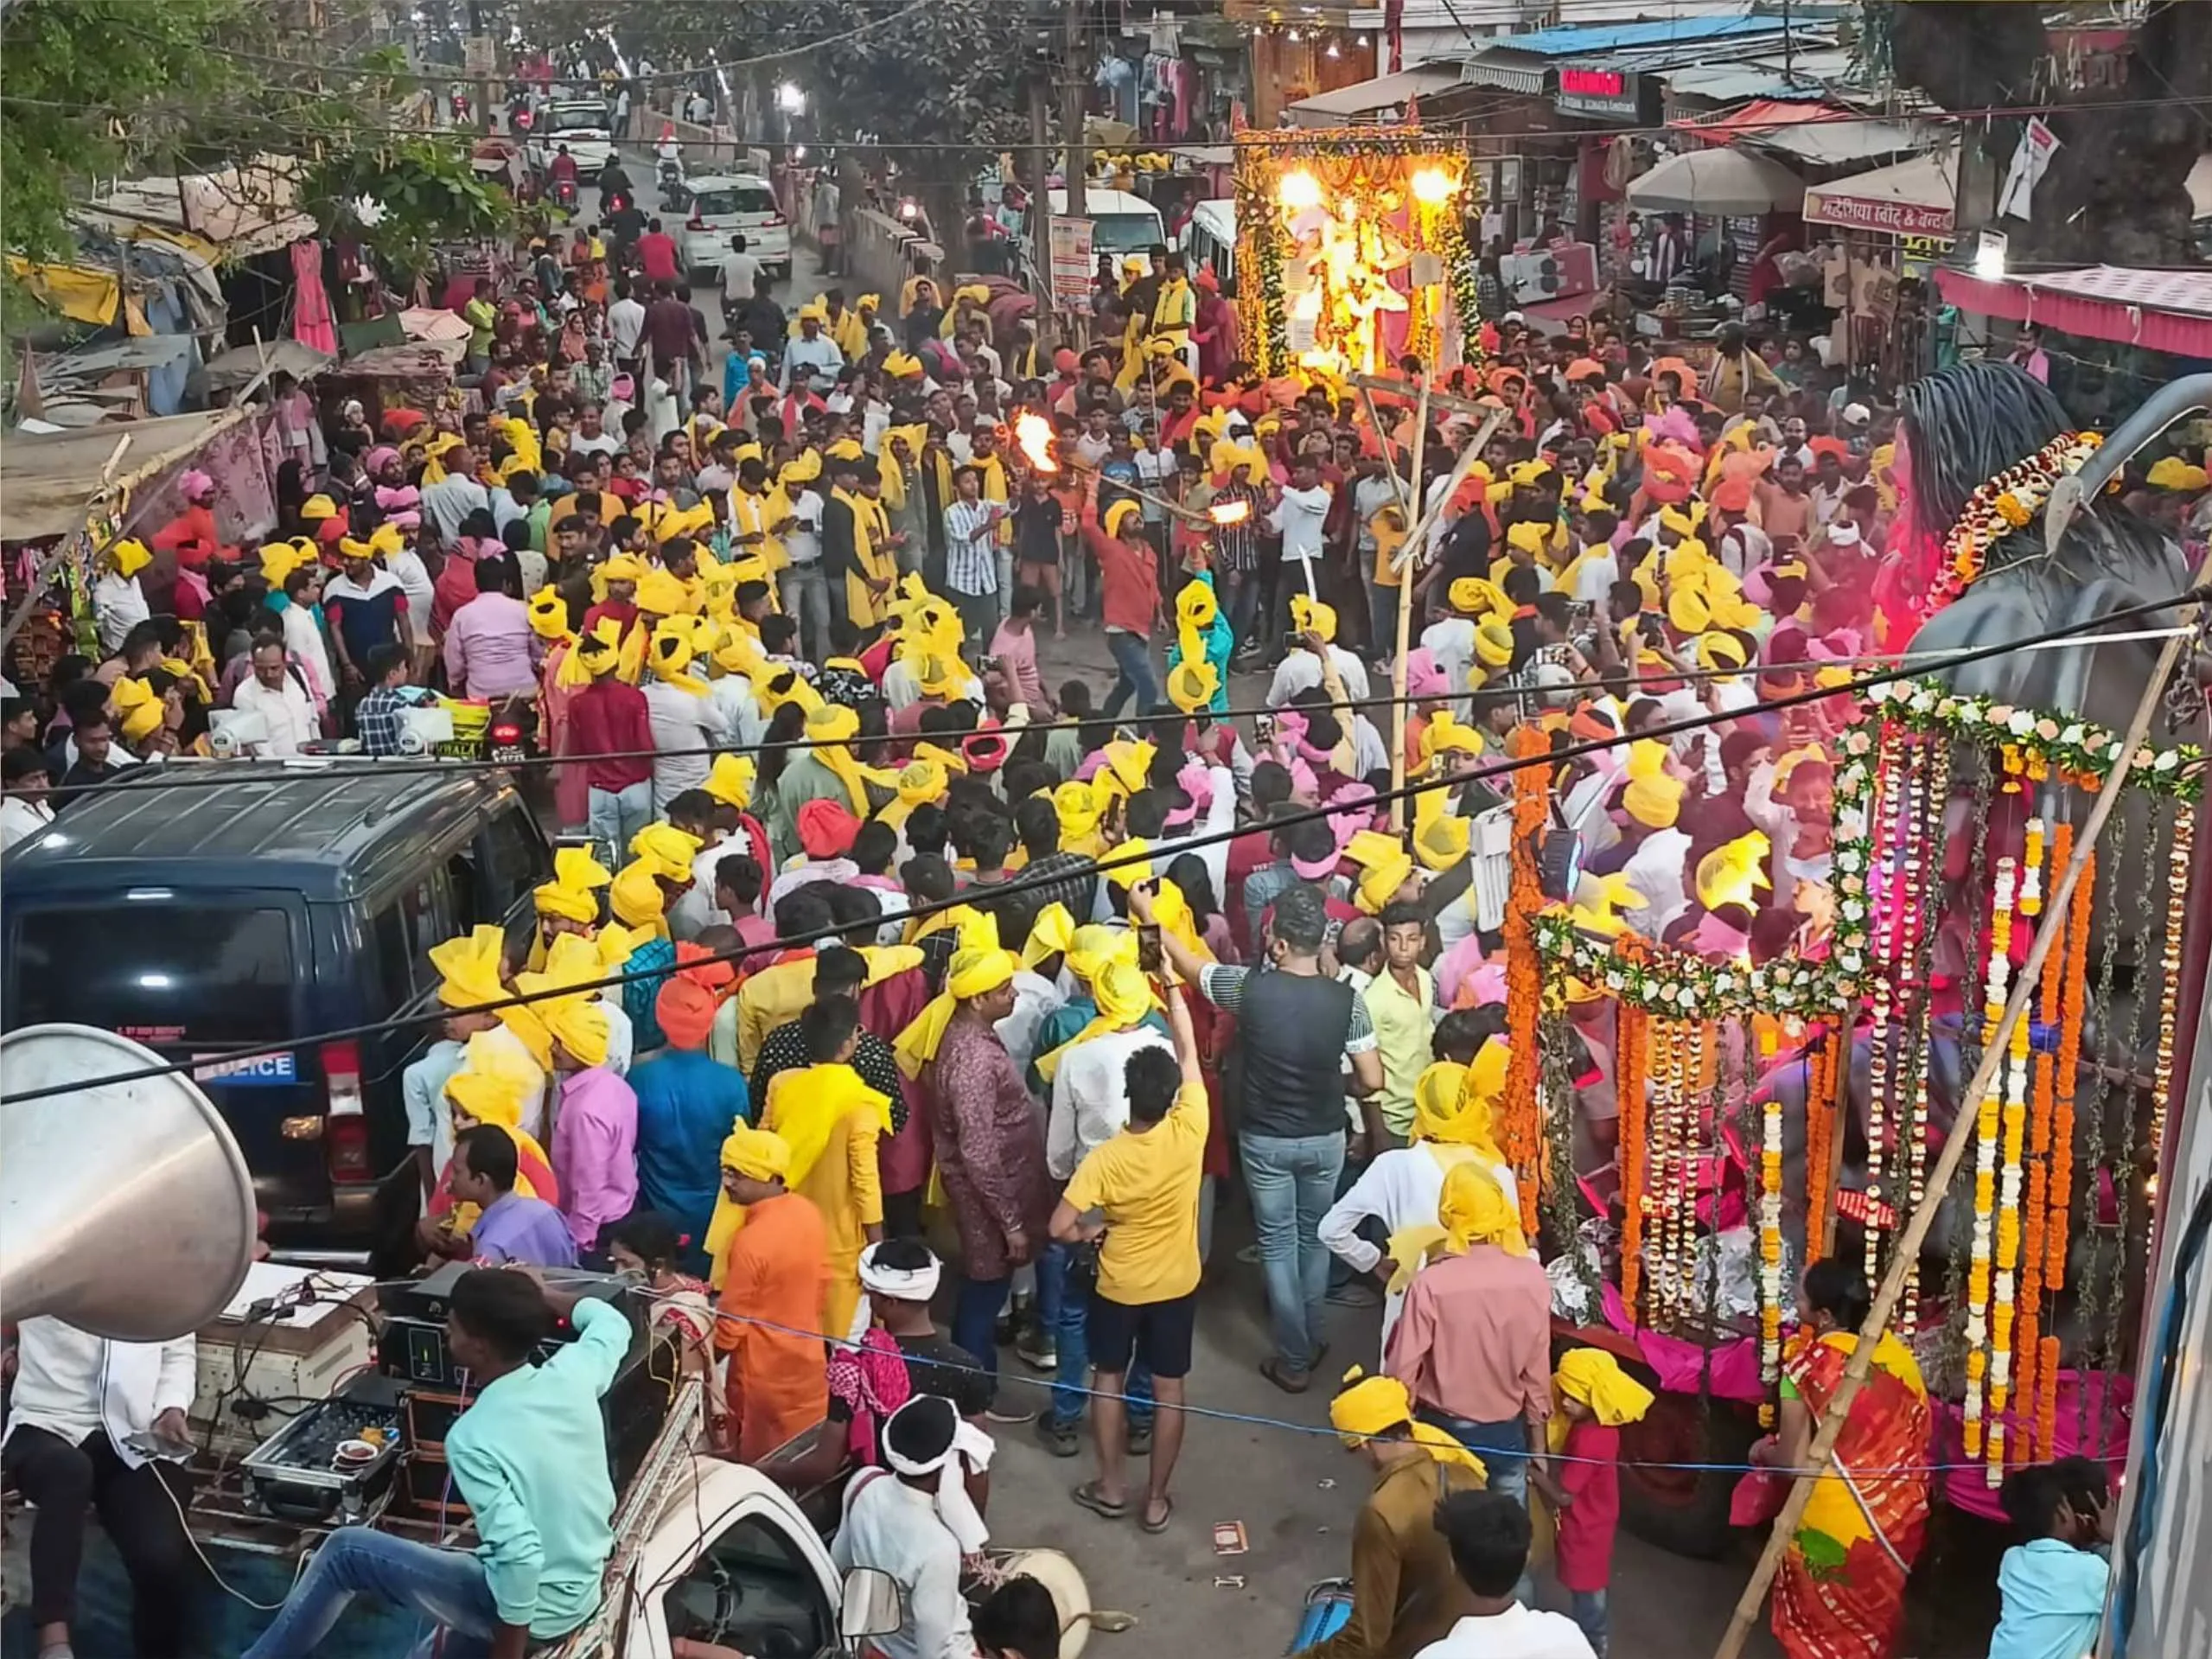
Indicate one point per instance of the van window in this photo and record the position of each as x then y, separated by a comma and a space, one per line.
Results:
518, 863
1125, 232
415, 920
735, 199
163, 974
751, 1590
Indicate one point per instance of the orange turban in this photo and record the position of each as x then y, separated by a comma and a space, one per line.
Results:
687, 1001
826, 829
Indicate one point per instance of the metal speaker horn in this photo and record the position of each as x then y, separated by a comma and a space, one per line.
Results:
125, 1209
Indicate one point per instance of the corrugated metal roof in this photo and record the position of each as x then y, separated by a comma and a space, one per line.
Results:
1585, 41
1767, 76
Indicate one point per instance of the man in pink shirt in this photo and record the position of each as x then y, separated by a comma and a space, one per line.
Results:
1014, 650
1473, 1343
594, 1125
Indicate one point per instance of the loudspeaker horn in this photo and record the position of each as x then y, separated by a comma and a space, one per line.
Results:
125, 1209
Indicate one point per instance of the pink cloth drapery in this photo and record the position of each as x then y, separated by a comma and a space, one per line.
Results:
312, 321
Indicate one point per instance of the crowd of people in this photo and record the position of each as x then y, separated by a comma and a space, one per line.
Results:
907, 928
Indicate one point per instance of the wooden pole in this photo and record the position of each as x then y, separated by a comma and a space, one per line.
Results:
1908, 1245
1398, 710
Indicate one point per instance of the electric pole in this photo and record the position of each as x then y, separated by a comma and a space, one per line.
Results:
1077, 69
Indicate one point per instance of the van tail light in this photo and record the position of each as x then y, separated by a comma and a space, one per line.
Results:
505, 733
345, 1146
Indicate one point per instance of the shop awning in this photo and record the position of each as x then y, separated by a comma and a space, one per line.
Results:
2159, 310
1821, 135
47, 482
1722, 183
1910, 198
1370, 98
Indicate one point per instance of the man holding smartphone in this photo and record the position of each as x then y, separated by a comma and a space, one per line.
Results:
92, 1425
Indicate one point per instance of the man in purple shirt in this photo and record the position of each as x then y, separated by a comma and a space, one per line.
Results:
595, 1124
511, 1228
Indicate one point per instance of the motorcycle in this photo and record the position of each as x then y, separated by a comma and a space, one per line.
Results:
564, 193
673, 197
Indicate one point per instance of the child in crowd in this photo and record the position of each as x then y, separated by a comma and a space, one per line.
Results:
2054, 1581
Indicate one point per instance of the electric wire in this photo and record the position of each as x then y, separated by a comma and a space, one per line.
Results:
1114, 858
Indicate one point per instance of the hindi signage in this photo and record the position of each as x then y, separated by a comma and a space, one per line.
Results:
1892, 217
1071, 262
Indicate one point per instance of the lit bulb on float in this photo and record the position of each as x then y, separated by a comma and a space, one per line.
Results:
1433, 187
1299, 192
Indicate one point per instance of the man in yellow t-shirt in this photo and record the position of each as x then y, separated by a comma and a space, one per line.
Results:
1140, 1192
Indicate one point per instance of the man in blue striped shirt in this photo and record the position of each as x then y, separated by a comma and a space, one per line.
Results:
972, 556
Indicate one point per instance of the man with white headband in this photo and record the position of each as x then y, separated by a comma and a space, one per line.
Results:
916, 1521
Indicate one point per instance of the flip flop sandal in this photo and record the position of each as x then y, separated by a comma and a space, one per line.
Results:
1167, 1514
1091, 1498
1283, 1377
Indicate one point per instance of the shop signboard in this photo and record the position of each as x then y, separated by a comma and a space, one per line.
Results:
1886, 215
1071, 262
1598, 91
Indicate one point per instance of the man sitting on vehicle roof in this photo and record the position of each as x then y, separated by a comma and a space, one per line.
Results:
528, 1457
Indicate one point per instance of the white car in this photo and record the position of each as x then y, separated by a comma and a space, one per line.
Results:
581, 125
725, 205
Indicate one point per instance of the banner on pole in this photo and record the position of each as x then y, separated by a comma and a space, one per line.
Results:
1071, 263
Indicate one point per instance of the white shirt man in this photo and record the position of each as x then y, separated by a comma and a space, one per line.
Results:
602, 442
449, 501
284, 708
914, 1522
22, 817
740, 276
1298, 517
119, 605
684, 725
626, 326
1301, 670
1517, 1633
802, 543
1090, 1096
811, 363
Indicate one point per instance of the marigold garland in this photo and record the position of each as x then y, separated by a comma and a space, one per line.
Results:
2028, 1343
1630, 1149
2069, 749
1987, 1117
2003, 504
1769, 1240
1520, 1134
1883, 990
2072, 1003
2179, 854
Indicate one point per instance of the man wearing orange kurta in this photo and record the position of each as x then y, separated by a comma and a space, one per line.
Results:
773, 1283
831, 1121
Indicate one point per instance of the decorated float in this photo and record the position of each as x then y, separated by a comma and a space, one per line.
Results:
1777, 1110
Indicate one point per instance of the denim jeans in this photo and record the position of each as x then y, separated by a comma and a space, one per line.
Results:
806, 592
613, 818
1243, 606
1292, 1180
1587, 1608
975, 1318
1132, 657
1503, 1448
446, 1586
978, 619
1382, 613
1063, 1296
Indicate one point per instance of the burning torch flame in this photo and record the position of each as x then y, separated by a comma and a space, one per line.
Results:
1034, 434
1226, 513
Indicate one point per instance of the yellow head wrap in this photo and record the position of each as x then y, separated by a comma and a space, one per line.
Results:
468, 968
1452, 1103
1653, 796
975, 970
1119, 515
1124, 997
1380, 880
661, 594
1732, 873
2174, 473
1311, 616
1050, 934
141, 707
1528, 537
129, 556
573, 892
579, 1025
1493, 642
1374, 1405
730, 780
1472, 1211
549, 614
668, 851
1192, 683
491, 1084
636, 898
671, 652
1128, 865
280, 559
1475, 595
1128, 766
1196, 605
1079, 808
1595, 1377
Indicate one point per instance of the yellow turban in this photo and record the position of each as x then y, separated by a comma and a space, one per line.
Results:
141, 706
1475, 596
846, 449
1380, 881
1731, 874
1441, 839
468, 968
1192, 683
1653, 796
730, 780
1196, 605
1595, 1377
579, 1025
636, 896
1124, 996
1128, 865
1079, 808
903, 365
662, 595
975, 970
1716, 651
1452, 1103
1472, 1211
1530, 538
1119, 515
615, 943
1128, 766
573, 892
129, 556
1311, 616
1373, 1406
1094, 945
280, 560
1050, 934
669, 851
493, 1083
921, 781
671, 652
1445, 734
2174, 473
833, 723
1493, 643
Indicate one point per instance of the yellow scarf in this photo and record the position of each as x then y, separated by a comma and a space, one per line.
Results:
920, 927
850, 334
1171, 309
1123, 997
751, 514
804, 1106
872, 561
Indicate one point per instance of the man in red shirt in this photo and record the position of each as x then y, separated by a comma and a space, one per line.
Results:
1129, 579
610, 728
670, 335
656, 251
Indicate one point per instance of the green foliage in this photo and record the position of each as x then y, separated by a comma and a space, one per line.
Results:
424, 190
76, 71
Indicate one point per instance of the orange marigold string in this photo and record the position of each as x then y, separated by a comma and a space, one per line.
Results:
1521, 1133
2028, 1328
1629, 1150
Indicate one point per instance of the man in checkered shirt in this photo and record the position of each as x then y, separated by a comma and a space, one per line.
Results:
380, 718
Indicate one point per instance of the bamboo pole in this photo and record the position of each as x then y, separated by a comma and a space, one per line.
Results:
1907, 1249
1398, 710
